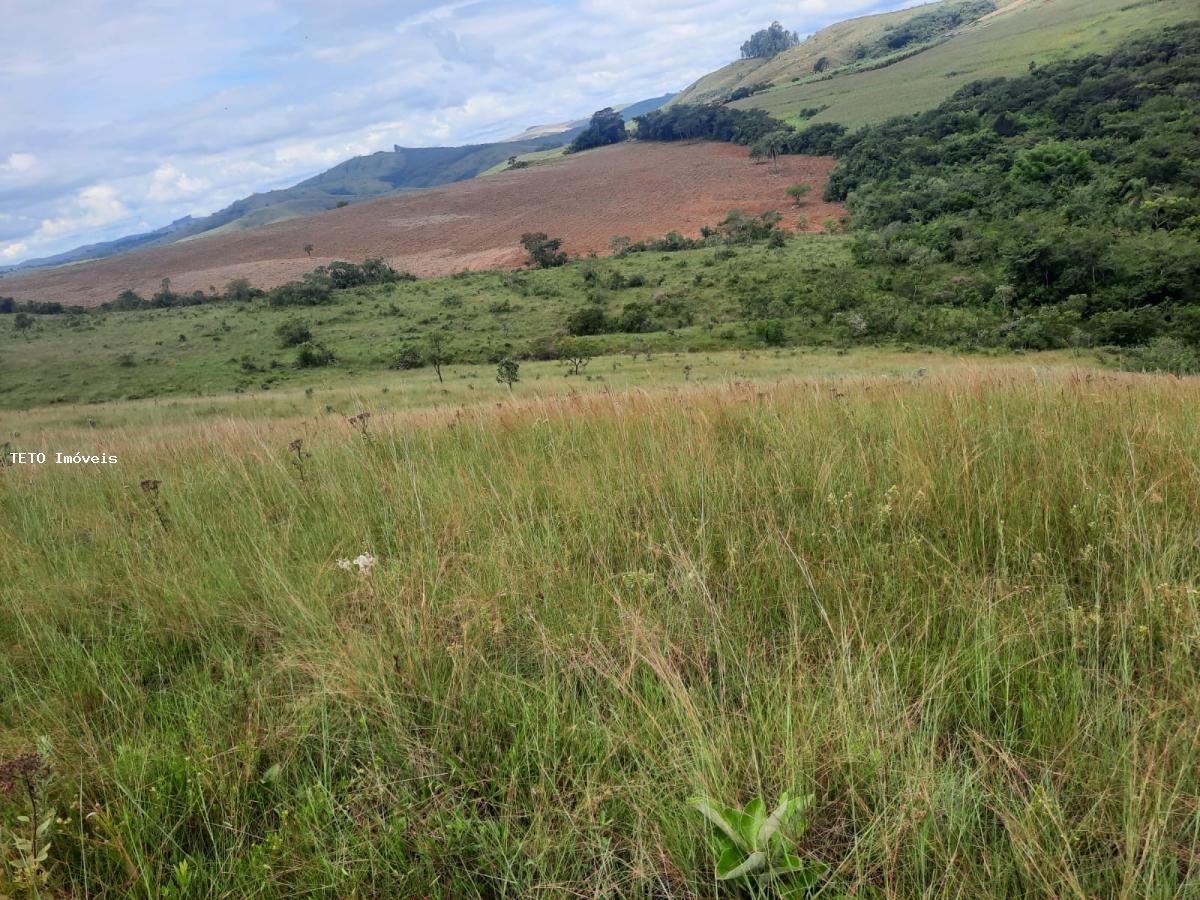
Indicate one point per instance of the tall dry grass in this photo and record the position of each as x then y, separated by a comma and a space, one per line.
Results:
961, 610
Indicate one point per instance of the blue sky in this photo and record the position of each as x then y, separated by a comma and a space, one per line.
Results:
118, 116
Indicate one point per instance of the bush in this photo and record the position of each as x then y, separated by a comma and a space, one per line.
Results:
408, 358
770, 332
373, 270
314, 290
587, 321
311, 355
293, 333
240, 291
1164, 354
635, 318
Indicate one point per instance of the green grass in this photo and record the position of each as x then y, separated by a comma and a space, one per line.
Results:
199, 350
1003, 46
339, 395
535, 158
835, 44
961, 610
702, 302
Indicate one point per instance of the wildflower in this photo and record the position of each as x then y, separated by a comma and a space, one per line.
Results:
364, 561
150, 485
295, 445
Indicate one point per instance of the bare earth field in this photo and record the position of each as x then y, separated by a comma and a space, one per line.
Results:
637, 190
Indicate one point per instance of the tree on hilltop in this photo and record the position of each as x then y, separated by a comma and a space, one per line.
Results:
769, 42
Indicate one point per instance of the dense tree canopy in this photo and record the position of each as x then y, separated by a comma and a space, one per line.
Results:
607, 127
1076, 188
769, 41
925, 27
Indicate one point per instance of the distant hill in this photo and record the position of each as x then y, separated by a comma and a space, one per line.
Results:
856, 90
361, 178
628, 111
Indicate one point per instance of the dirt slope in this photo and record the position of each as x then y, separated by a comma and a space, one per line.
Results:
638, 190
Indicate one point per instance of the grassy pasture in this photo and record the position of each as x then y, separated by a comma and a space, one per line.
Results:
960, 609
1039, 31
200, 350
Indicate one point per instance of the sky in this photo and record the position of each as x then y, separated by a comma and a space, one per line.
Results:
120, 116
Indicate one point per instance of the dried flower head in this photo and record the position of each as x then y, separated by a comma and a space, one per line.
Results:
21, 770
150, 485
295, 445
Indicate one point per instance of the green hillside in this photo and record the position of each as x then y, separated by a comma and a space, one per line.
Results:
828, 49
1001, 44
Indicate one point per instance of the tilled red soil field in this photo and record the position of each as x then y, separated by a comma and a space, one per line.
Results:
637, 190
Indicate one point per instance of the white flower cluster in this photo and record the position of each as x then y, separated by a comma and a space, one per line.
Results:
364, 561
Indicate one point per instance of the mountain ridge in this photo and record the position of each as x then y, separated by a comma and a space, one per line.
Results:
366, 177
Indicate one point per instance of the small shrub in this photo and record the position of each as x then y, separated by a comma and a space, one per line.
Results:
770, 332
293, 333
408, 358
310, 355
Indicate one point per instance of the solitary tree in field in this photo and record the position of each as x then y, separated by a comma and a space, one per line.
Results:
506, 372
544, 251
770, 146
576, 353
799, 191
437, 355
308, 248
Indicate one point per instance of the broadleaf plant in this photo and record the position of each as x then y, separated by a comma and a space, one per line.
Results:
752, 846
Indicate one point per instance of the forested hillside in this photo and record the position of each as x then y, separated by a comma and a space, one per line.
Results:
1071, 193
867, 70
1055, 209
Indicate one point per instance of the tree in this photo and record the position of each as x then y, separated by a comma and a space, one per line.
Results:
769, 41
771, 145
308, 248
576, 353
507, 372
437, 356
607, 127
544, 252
799, 191
240, 290
1052, 162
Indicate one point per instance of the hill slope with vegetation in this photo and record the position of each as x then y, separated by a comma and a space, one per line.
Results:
824, 51
361, 178
854, 90
1068, 199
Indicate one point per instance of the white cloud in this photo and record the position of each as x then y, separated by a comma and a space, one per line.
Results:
169, 183
19, 162
264, 93
92, 208
14, 251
